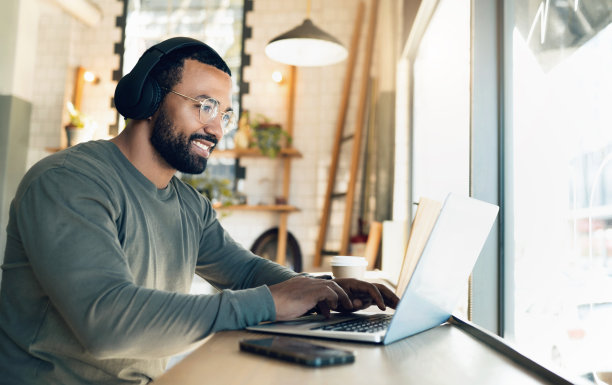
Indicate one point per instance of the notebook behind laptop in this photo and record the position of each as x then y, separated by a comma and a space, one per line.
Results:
435, 288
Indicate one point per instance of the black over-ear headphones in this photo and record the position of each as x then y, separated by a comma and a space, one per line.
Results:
138, 96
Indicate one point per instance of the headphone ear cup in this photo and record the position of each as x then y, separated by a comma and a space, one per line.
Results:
145, 106
123, 97
137, 96
150, 99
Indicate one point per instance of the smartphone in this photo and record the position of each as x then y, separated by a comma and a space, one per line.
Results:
298, 351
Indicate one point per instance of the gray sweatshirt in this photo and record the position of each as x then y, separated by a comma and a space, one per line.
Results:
97, 268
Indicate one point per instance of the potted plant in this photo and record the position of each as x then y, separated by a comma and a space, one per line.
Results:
269, 137
217, 190
80, 127
242, 138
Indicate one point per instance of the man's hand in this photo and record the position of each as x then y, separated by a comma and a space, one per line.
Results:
299, 295
296, 296
364, 294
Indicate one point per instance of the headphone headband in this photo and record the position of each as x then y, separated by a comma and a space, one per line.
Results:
138, 96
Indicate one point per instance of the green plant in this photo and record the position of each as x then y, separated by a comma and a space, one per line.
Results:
217, 190
77, 118
268, 137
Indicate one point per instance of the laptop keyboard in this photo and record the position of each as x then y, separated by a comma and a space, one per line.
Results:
370, 324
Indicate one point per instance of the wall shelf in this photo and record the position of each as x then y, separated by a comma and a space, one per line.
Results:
289, 152
279, 208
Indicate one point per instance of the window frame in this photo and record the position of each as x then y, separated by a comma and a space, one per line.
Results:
489, 301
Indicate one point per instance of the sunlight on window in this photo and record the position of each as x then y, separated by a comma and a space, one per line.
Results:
441, 122
562, 185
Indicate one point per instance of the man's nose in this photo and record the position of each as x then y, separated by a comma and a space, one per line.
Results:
214, 127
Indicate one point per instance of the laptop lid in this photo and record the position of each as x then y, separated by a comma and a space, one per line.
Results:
437, 283
441, 276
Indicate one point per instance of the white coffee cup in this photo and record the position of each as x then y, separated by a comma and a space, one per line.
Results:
346, 266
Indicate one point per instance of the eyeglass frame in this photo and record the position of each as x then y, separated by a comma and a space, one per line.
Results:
229, 127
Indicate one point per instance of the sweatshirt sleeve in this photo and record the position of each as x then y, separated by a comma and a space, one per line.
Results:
227, 265
67, 229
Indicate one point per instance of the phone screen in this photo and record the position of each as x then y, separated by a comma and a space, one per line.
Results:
295, 350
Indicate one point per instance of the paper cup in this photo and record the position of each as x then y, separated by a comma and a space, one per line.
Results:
345, 266
603, 378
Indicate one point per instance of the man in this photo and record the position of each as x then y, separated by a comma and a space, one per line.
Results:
103, 242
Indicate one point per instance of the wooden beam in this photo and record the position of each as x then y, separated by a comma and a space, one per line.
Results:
79, 81
361, 113
333, 168
281, 248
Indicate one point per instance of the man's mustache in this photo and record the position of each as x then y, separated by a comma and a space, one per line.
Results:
208, 138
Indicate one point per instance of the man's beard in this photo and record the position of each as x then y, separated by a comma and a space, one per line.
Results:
174, 147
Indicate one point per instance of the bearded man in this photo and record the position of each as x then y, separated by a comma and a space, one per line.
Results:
103, 241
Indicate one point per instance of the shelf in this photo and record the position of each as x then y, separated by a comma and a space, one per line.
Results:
255, 153
279, 208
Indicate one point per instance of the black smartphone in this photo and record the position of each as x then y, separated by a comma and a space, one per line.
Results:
298, 351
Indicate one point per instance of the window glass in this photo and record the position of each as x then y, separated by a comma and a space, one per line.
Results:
441, 122
559, 179
218, 23
441, 107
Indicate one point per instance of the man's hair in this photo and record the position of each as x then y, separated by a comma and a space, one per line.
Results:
169, 71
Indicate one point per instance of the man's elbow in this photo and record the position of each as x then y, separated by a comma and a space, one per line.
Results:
103, 348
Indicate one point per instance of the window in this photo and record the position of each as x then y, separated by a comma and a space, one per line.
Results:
559, 181
441, 107
218, 23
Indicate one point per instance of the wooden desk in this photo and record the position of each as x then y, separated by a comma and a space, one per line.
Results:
444, 355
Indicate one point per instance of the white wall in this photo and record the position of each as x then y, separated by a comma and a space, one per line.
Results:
17, 37
63, 44
18, 23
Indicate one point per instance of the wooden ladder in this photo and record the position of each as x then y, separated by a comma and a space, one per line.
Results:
339, 139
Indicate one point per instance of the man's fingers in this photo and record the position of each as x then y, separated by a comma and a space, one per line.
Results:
297, 295
330, 297
368, 293
391, 299
322, 308
343, 298
375, 296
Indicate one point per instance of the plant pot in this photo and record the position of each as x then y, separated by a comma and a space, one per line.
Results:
270, 138
76, 135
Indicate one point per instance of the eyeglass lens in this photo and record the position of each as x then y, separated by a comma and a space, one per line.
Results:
210, 109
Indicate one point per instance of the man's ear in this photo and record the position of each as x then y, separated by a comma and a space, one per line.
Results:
154, 115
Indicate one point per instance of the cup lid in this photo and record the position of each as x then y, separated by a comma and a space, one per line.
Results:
347, 260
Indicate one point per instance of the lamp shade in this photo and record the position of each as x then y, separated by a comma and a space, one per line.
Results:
306, 45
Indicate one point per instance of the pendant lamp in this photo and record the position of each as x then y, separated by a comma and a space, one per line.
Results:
306, 45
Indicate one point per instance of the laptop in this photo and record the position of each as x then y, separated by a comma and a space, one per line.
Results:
437, 284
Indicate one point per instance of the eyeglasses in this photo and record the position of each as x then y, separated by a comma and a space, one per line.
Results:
209, 109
